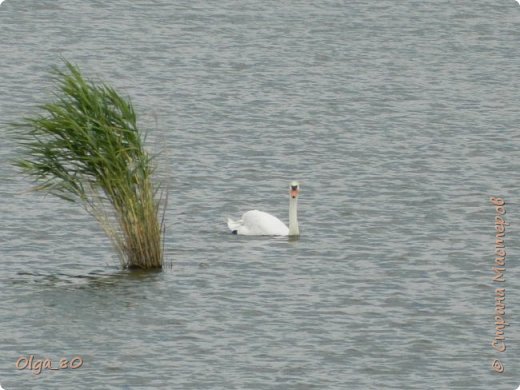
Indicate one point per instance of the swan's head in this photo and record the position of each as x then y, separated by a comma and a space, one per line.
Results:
294, 189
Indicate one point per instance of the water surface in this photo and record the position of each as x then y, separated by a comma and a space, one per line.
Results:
399, 121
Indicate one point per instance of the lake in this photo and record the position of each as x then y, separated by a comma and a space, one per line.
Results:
399, 119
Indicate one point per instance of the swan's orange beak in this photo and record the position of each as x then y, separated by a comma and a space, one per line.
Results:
294, 194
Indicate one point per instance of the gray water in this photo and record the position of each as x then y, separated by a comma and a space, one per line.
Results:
399, 118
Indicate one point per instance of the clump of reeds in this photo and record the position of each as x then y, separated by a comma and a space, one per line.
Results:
85, 147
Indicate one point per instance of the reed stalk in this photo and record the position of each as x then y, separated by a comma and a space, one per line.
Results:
86, 147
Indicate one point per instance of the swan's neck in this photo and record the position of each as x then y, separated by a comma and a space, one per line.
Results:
293, 217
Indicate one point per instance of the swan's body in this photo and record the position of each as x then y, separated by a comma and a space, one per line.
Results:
258, 223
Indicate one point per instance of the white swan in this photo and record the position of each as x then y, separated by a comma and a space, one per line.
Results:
258, 223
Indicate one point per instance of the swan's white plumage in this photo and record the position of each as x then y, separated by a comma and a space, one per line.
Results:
258, 223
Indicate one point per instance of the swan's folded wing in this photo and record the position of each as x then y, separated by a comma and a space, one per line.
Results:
256, 222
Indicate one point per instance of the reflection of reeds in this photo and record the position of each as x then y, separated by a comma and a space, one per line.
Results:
86, 147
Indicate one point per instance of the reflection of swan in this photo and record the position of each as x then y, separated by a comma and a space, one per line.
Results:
258, 223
